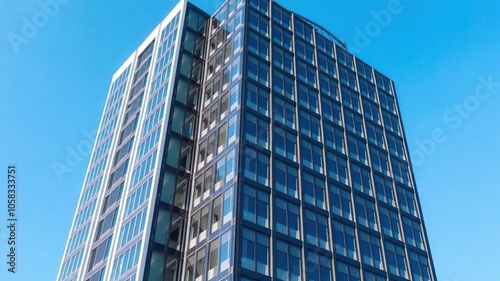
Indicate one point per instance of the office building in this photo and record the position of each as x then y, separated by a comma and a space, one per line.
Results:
248, 145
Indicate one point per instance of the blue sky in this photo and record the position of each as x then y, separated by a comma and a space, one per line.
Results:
443, 56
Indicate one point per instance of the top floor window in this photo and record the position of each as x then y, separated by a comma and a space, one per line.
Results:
281, 16
303, 30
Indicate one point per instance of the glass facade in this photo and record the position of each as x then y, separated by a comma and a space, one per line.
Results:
248, 145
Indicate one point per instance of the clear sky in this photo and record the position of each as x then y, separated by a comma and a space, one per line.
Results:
444, 57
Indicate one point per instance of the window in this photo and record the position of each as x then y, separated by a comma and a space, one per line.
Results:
370, 250
234, 96
225, 169
179, 155
383, 82
288, 262
202, 186
198, 226
350, 99
202, 232
162, 227
258, 70
283, 84
258, 22
406, 200
213, 259
227, 209
256, 130
365, 211
222, 138
256, 206
228, 50
396, 146
391, 122
371, 111
284, 113
257, 98
190, 265
337, 167
282, 37
205, 122
162, 267
419, 267
314, 190
237, 43
285, 143
347, 78
357, 149
213, 115
232, 132
375, 134
235, 69
309, 125
347, 272
303, 30
379, 160
283, 59
326, 64
258, 45
261, 5
334, 137
256, 166
364, 70
216, 214
345, 241
324, 45
190, 67
287, 218
186, 94
400, 171
199, 265
372, 277
328, 86
308, 97
345, 58
281, 16
255, 251
225, 251
387, 101
210, 146
233, 23
390, 222
331, 110
383, 187
353, 122
285, 178
341, 201
316, 228
304, 51
413, 233
367, 89
221, 14
208, 93
395, 257
361, 179
311, 156
306, 73
100, 252
318, 267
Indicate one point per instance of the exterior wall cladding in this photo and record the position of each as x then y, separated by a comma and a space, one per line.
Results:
248, 146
